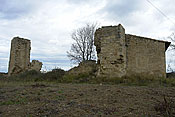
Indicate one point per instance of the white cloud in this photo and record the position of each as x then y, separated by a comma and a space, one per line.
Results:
49, 24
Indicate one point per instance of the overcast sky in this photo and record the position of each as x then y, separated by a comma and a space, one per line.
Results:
49, 24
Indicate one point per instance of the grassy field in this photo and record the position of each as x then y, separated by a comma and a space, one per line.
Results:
45, 99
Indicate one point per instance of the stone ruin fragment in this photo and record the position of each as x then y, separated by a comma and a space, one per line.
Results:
121, 55
85, 67
20, 57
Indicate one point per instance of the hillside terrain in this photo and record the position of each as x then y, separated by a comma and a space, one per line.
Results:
46, 99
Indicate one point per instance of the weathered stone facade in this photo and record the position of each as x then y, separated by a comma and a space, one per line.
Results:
121, 54
20, 56
35, 65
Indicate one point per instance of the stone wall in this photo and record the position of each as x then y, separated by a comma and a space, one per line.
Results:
19, 55
35, 65
121, 54
111, 51
145, 57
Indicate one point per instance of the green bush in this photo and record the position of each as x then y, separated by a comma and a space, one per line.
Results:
135, 80
105, 80
2, 76
31, 75
55, 74
79, 78
61, 76
34, 76
138, 80
167, 81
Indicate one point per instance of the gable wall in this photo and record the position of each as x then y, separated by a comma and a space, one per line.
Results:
145, 57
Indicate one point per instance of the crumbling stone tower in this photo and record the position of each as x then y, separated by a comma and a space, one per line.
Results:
19, 55
111, 51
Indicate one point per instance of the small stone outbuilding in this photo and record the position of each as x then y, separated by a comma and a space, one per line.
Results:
121, 54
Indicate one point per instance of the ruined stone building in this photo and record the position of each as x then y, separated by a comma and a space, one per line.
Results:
121, 54
20, 57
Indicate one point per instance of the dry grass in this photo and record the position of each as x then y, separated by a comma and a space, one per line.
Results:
55, 99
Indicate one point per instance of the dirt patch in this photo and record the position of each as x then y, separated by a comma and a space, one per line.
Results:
38, 85
77, 100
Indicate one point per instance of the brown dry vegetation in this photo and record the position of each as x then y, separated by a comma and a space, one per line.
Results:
51, 99
45, 98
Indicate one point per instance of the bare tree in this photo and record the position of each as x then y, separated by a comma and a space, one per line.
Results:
83, 47
171, 50
172, 39
169, 68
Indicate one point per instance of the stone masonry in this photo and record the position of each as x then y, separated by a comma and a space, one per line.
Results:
20, 56
35, 65
121, 54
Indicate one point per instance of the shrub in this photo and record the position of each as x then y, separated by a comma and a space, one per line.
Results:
136, 80
55, 74
105, 80
78, 78
171, 75
166, 107
31, 75
167, 81
59, 75
3, 76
